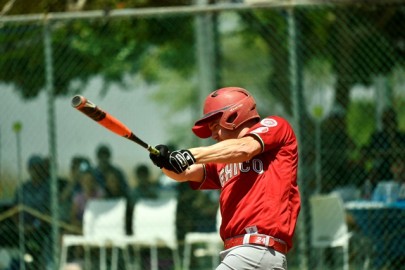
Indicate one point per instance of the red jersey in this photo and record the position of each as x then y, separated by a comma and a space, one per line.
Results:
260, 194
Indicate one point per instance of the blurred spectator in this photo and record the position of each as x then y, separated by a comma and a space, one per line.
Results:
104, 164
35, 193
113, 186
196, 212
73, 186
64, 204
336, 147
77, 164
114, 189
394, 189
89, 189
146, 187
384, 144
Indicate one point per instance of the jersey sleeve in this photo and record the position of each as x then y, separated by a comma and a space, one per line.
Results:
211, 179
272, 132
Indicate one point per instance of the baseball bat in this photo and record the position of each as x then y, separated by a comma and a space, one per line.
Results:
108, 121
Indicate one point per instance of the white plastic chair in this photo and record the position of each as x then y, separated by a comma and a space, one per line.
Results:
329, 227
154, 226
211, 239
103, 223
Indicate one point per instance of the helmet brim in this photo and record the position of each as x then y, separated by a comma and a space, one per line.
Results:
202, 131
201, 128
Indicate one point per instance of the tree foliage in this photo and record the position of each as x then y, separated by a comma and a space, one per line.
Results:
83, 49
359, 41
46, 6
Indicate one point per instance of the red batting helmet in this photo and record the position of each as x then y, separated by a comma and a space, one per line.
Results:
234, 105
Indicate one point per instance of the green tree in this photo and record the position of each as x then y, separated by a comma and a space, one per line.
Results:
83, 49
360, 42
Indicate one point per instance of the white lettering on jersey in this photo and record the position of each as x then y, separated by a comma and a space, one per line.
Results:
234, 169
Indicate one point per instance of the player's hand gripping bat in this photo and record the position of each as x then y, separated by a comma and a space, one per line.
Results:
108, 121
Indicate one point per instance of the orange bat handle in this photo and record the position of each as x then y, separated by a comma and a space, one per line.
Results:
108, 121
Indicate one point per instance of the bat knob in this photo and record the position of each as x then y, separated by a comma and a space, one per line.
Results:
78, 101
153, 150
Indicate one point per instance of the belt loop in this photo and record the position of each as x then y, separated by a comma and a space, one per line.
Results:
267, 240
246, 239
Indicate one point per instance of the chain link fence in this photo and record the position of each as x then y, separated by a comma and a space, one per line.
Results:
336, 71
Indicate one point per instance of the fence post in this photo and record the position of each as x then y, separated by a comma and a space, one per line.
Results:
204, 27
52, 142
17, 126
298, 113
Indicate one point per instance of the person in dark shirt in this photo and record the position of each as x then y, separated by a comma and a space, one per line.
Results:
146, 187
34, 194
114, 189
383, 146
105, 164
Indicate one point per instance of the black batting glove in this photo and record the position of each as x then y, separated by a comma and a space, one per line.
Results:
180, 160
161, 160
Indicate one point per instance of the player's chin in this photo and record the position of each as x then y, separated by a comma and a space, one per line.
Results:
215, 137
224, 137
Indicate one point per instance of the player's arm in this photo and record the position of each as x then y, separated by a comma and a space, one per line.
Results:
228, 151
187, 164
195, 172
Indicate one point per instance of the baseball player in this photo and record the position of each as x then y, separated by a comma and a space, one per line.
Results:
254, 164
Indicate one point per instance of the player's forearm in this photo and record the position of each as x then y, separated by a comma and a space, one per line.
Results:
194, 173
177, 177
228, 151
